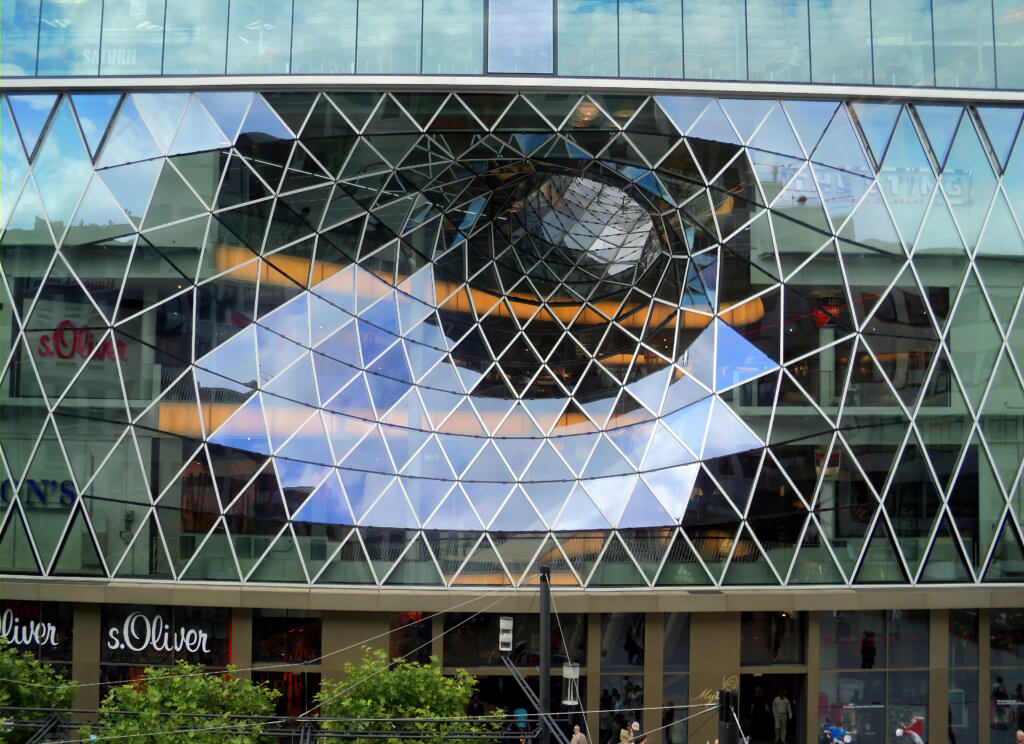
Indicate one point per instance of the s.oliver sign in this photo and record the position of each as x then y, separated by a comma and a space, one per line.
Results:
137, 634
44, 629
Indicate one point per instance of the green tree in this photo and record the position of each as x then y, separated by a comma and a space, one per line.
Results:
25, 682
378, 689
164, 698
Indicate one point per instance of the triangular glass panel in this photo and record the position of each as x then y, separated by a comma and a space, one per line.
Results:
349, 566
161, 111
31, 112
282, 563
909, 191
839, 146
197, 132
939, 123
78, 555
877, 121
682, 567
881, 563
968, 181
1001, 125
215, 559
95, 110
749, 566
616, 567
16, 553
129, 139
416, 567
1007, 556
61, 168
483, 567
813, 564
147, 556
552, 558
809, 120
945, 564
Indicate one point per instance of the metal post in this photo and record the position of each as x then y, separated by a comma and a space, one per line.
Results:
728, 731
544, 692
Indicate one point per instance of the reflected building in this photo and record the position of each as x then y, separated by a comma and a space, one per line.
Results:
730, 346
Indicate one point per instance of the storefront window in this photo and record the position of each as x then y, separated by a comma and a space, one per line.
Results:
410, 636
1006, 644
297, 690
772, 638
885, 685
622, 702
473, 641
43, 629
852, 640
286, 635
622, 641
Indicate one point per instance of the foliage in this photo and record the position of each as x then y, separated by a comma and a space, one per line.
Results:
25, 682
164, 698
378, 688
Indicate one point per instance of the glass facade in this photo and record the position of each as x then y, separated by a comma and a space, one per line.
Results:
440, 339
944, 43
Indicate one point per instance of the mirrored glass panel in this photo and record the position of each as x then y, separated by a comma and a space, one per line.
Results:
840, 41
777, 40
20, 20
389, 37
259, 38
453, 37
520, 36
650, 39
195, 40
133, 37
324, 37
902, 43
963, 44
69, 37
715, 39
588, 42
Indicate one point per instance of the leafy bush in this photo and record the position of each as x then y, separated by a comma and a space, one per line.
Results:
27, 683
164, 698
378, 688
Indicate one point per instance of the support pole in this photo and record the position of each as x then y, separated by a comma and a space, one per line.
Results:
728, 731
544, 692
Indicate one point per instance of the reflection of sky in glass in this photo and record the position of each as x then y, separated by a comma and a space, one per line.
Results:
903, 43
588, 38
324, 37
715, 39
389, 37
777, 40
259, 37
1009, 25
650, 38
196, 37
69, 37
963, 44
840, 41
133, 37
519, 36
453, 37
20, 22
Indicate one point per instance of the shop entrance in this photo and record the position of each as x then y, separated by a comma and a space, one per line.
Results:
758, 692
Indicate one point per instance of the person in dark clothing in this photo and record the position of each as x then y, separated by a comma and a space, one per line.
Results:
868, 650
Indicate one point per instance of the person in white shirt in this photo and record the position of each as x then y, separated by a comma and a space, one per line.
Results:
577, 736
782, 711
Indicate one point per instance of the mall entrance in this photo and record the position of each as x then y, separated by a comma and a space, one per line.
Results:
757, 694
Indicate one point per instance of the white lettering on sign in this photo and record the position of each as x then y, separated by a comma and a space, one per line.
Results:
19, 632
140, 633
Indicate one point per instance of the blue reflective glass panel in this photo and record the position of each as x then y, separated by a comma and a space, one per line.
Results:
902, 32
519, 36
963, 44
389, 37
777, 42
650, 38
840, 41
588, 42
133, 37
453, 37
69, 37
196, 37
324, 37
1009, 25
20, 22
715, 39
259, 36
